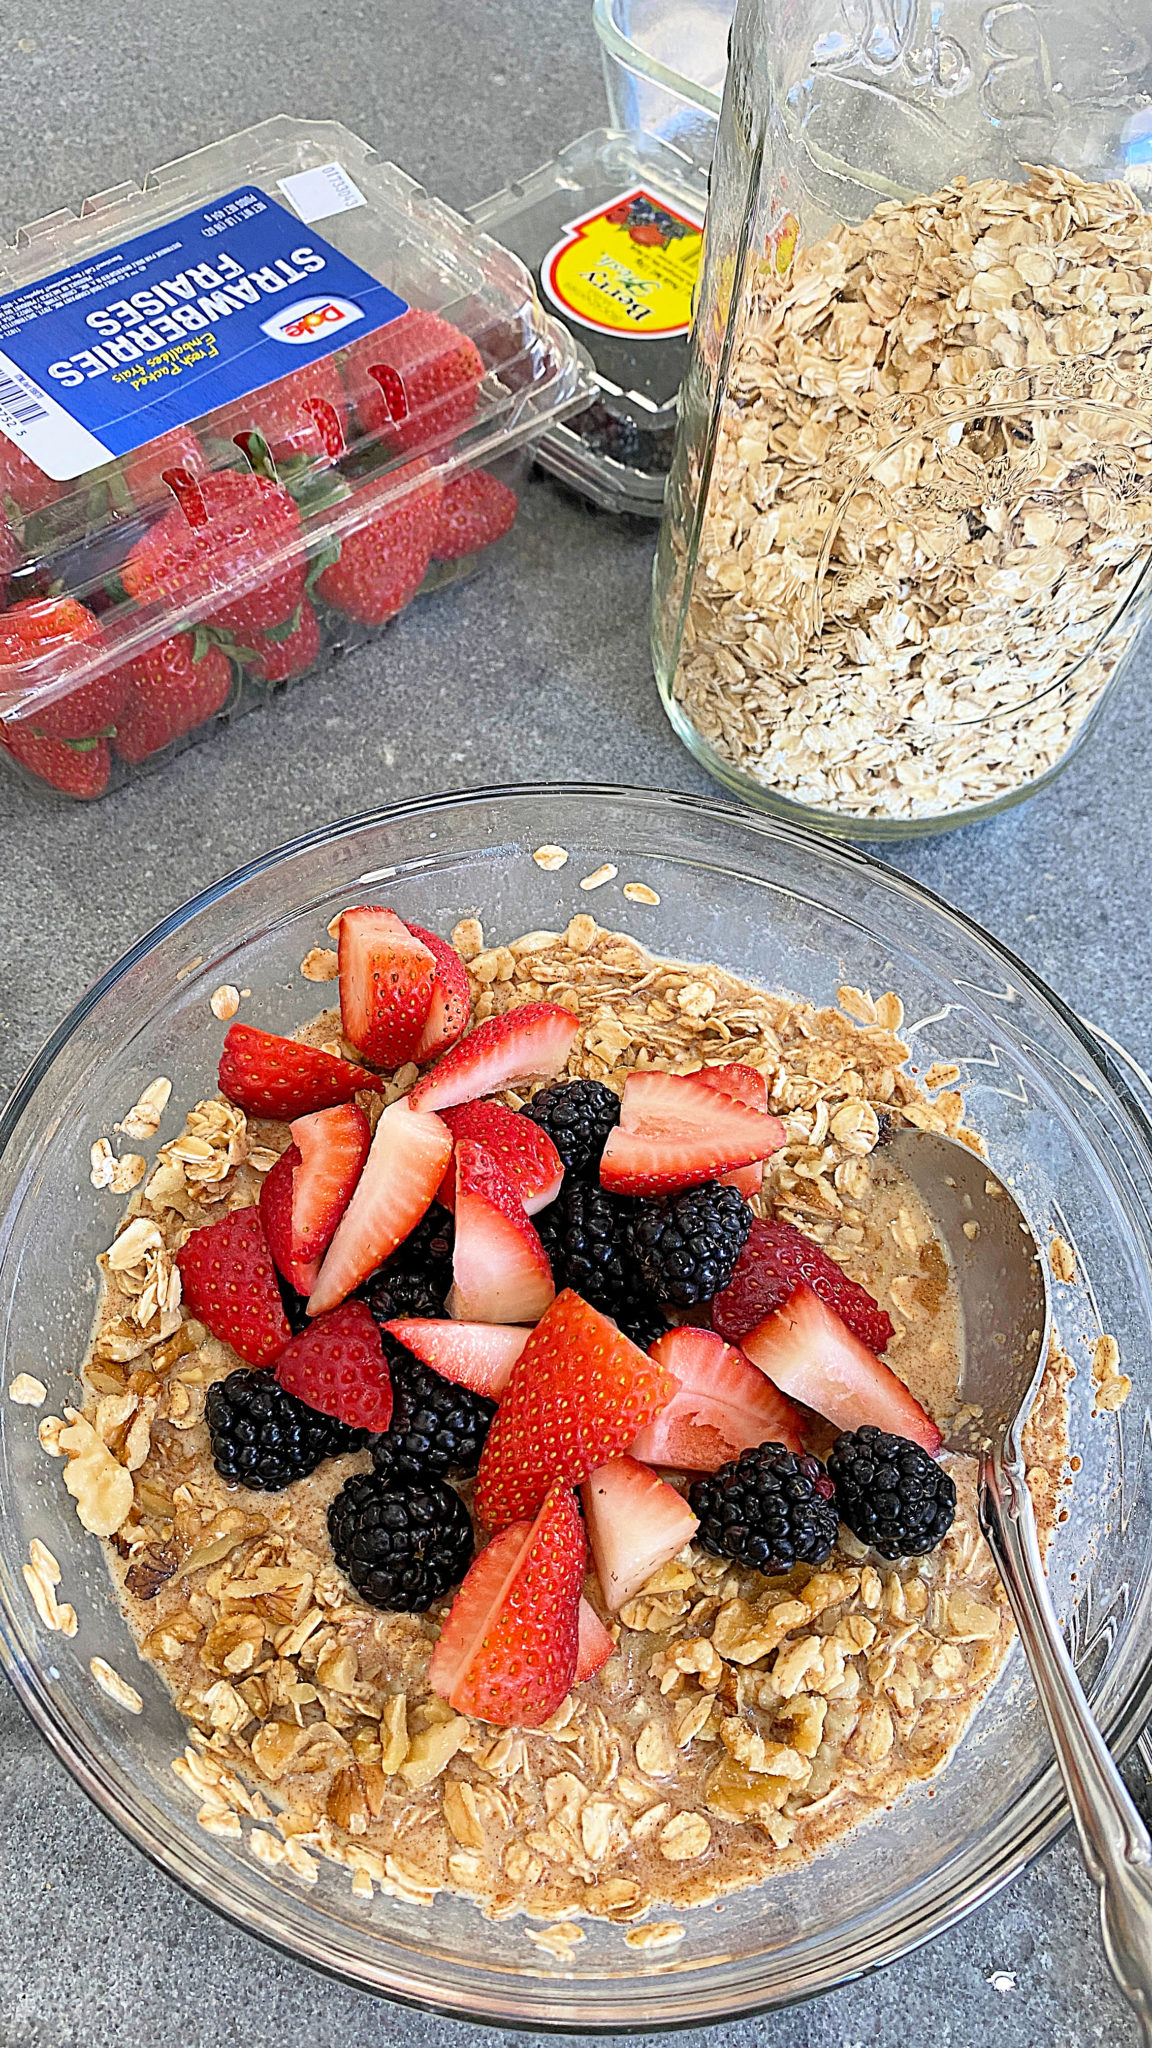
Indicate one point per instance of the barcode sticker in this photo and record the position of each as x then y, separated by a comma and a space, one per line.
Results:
41, 428
20, 405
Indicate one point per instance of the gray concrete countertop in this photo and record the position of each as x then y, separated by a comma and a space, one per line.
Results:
538, 668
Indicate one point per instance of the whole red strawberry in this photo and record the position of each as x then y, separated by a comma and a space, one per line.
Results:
338, 1366
29, 488
228, 528
265, 1075
426, 381
382, 563
47, 639
775, 1259
229, 1281
289, 650
144, 470
475, 510
172, 689
10, 553
302, 414
75, 767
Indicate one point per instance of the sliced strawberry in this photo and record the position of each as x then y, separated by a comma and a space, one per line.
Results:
524, 1153
500, 1269
775, 1259
722, 1406
749, 1086
475, 1355
276, 1216
401, 1175
451, 1004
508, 1649
278, 1077
636, 1522
338, 1366
676, 1131
595, 1644
807, 1350
578, 1394
228, 1280
386, 981
535, 1039
333, 1145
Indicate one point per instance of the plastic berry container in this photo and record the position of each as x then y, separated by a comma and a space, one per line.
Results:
249, 411
611, 230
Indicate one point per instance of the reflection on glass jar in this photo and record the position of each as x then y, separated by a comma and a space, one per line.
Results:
910, 516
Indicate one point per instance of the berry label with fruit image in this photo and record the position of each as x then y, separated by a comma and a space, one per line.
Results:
156, 331
628, 268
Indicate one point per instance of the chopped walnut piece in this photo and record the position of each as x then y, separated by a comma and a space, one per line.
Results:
101, 1488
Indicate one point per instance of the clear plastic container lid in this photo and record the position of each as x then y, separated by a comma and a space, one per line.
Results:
209, 382
612, 229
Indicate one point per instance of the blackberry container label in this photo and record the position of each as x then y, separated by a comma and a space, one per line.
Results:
102, 357
629, 267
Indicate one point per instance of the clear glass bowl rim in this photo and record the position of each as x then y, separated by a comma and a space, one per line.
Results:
1049, 1814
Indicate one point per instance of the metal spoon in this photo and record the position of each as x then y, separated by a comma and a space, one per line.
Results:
1003, 1285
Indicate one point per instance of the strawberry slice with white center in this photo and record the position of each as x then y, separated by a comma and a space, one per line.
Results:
636, 1522
810, 1354
500, 1270
401, 1174
595, 1644
676, 1131
508, 1649
451, 1004
749, 1086
533, 1040
309, 1188
475, 1355
524, 1153
721, 1407
578, 1394
386, 980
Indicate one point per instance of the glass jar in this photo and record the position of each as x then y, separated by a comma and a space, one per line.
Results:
905, 551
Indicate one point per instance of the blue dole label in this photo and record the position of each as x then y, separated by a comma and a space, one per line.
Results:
151, 334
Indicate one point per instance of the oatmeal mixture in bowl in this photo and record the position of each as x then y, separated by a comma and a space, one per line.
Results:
517, 1432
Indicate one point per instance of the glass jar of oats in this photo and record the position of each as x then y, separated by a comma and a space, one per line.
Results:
905, 550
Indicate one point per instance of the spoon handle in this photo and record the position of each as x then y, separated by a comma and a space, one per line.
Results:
1113, 1839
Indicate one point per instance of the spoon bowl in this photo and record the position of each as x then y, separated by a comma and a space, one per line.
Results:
1005, 1307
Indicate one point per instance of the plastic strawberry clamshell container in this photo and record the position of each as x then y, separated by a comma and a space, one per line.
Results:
248, 411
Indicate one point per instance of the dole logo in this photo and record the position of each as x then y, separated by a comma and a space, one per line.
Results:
310, 319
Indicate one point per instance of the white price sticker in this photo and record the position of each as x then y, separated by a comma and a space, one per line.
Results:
318, 194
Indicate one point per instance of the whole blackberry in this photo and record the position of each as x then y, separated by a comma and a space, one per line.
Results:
686, 1246
435, 1427
402, 1542
416, 1279
577, 1116
769, 1509
890, 1493
586, 1234
263, 1437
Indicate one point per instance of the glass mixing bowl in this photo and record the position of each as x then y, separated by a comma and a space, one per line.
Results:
770, 902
